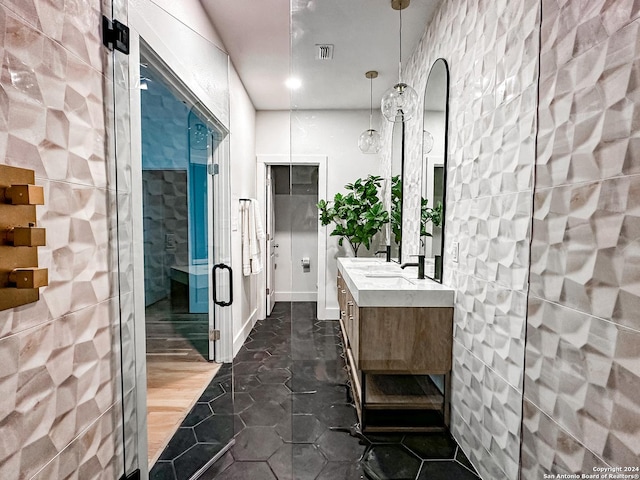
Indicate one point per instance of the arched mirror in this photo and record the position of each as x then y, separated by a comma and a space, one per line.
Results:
397, 161
434, 168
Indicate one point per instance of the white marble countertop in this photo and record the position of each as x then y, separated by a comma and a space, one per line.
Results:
376, 283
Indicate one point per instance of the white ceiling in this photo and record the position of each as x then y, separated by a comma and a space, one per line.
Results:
365, 35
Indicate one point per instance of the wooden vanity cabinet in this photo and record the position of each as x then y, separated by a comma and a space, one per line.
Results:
390, 352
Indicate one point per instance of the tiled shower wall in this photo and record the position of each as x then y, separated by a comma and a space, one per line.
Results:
60, 390
492, 52
581, 382
582, 377
165, 213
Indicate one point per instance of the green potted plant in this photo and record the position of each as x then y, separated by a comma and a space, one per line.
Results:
357, 215
427, 214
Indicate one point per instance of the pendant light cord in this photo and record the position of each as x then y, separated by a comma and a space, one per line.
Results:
400, 60
370, 103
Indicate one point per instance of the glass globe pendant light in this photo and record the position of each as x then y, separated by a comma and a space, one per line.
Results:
400, 102
370, 140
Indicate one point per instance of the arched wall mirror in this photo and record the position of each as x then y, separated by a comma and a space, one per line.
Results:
397, 162
434, 168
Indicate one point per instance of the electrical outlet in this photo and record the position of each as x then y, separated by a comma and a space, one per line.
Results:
455, 247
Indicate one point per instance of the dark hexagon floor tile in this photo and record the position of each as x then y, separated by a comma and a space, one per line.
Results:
342, 471
324, 395
245, 355
194, 459
274, 375
338, 415
276, 392
241, 401
299, 462
462, 458
213, 391
301, 429
199, 412
263, 414
222, 405
277, 361
306, 428
306, 403
390, 462
238, 424
281, 349
325, 370
340, 446
217, 468
444, 470
310, 350
162, 471
262, 344
303, 385
215, 429
247, 368
261, 334
246, 383
256, 443
283, 429
247, 470
183, 439
431, 446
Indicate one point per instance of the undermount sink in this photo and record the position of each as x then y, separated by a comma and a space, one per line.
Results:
384, 275
390, 279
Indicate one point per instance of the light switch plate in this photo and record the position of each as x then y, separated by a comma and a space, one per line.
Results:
455, 247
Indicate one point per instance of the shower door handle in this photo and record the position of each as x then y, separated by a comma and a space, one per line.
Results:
222, 266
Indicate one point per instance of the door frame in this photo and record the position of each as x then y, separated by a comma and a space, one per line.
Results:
261, 171
270, 213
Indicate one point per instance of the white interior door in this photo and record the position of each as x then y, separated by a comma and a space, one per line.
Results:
271, 245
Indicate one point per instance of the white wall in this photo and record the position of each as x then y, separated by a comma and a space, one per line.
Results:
296, 234
243, 185
333, 133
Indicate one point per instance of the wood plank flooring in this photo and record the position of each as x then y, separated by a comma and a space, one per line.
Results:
177, 370
172, 390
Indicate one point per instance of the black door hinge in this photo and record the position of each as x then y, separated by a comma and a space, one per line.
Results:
135, 475
115, 35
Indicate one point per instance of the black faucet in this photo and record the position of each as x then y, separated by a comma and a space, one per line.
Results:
420, 266
387, 251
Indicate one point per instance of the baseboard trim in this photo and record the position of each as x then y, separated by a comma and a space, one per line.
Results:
244, 332
296, 296
332, 314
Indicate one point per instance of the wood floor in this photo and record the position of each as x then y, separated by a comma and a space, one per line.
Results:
172, 390
177, 370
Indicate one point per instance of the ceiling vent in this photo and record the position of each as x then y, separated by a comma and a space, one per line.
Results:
324, 52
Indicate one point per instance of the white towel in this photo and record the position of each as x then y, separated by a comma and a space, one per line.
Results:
252, 237
244, 222
256, 236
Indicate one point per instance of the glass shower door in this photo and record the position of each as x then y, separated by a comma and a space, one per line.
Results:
209, 175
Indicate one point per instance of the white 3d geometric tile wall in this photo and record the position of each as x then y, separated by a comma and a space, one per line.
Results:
60, 390
492, 52
582, 376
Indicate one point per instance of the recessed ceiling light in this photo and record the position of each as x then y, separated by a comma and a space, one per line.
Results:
293, 83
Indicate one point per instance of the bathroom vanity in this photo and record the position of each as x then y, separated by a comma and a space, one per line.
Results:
397, 332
